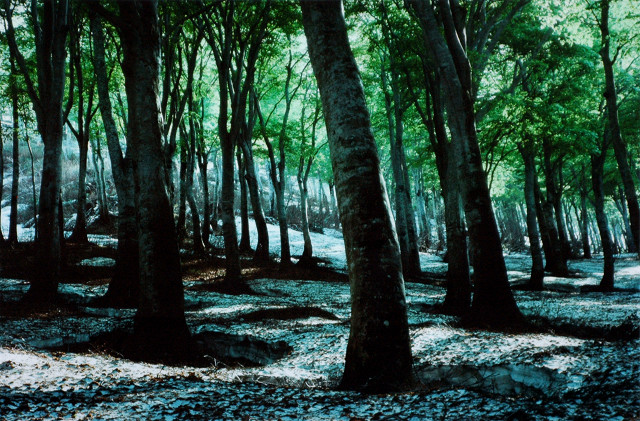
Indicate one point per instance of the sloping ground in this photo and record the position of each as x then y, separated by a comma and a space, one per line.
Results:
467, 373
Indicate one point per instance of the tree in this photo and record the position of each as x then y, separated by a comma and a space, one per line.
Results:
611, 98
493, 301
50, 30
124, 286
159, 322
378, 353
82, 131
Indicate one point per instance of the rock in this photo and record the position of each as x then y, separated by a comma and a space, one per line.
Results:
241, 349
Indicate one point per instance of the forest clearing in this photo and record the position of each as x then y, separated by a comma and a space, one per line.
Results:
317, 209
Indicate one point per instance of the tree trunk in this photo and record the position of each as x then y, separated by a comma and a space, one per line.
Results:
493, 302
584, 225
261, 254
50, 28
245, 239
619, 146
203, 162
537, 264
458, 298
597, 167
159, 321
79, 234
378, 353
198, 245
181, 226
13, 217
124, 286
622, 208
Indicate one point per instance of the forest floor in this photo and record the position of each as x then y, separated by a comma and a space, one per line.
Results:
278, 352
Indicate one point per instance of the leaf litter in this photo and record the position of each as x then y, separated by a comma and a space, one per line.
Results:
466, 373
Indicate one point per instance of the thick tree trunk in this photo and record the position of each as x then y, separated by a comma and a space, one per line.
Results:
597, 167
537, 264
159, 321
124, 286
493, 302
619, 146
458, 298
378, 353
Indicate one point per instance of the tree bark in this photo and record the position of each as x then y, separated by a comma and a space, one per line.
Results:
597, 167
584, 224
124, 286
50, 29
245, 239
622, 208
159, 320
493, 302
378, 353
619, 147
13, 216
537, 264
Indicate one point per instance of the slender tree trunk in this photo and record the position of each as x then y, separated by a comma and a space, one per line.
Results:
203, 161
619, 146
159, 321
124, 286
378, 353
262, 249
198, 245
245, 240
584, 225
79, 234
182, 198
597, 167
15, 181
2, 239
622, 208
537, 264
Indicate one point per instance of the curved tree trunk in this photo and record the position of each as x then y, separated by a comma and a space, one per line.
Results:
124, 286
378, 353
262, 249
597, 167
619, 146
493, 302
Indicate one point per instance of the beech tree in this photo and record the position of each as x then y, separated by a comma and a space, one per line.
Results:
378, 353
50, 30
493, 301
